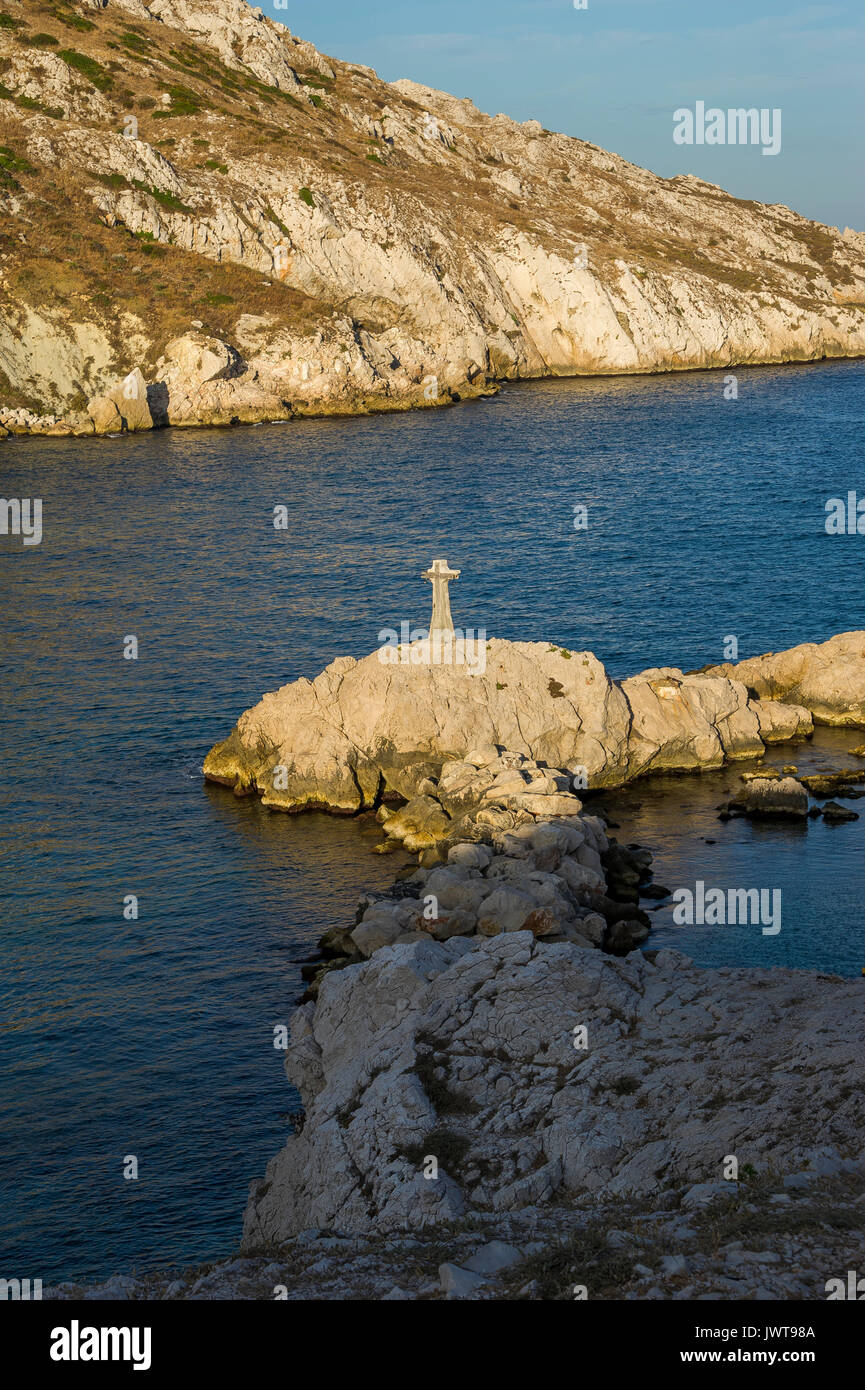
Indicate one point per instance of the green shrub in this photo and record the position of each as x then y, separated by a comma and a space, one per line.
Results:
273, 217
168, 200
74, 21
112, 180
184, 102
306, 197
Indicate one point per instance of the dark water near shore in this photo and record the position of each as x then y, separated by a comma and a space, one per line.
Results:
154, 1037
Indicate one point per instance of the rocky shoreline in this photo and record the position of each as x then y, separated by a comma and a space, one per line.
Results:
212, 400
202, 384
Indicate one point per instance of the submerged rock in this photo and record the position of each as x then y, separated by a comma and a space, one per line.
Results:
833, 812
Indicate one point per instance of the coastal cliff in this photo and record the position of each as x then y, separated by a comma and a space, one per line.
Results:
206, 221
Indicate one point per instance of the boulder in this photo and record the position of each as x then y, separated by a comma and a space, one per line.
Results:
378, 927
493, 1258
124, 407
105, 415
421, 822
774, 796
625, 936
505, 910
779, 722
832, 811
457, 1282
470, 856
195, 358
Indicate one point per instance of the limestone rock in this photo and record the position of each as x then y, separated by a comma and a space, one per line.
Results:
827, 678
459, 1283
779, 722
774, 796
363, 721
464, 1049
125, 407
196, 358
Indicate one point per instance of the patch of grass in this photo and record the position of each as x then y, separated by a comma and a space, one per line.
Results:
184, 102
306, 197
112, 180
31, 104
88, 67
215, 165
375, 159
277, 222
624, 1086
136, 43
8, 21
718, 1228
430, 1059
13, 162
75, 21
166, 200
39, 40
218, 299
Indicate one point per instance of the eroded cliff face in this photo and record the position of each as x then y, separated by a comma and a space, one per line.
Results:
190, 190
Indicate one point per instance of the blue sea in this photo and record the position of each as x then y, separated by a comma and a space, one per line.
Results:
153, 1037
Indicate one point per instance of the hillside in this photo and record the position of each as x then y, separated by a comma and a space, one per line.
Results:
192, 195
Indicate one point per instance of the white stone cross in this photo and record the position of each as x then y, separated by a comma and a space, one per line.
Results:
440, 576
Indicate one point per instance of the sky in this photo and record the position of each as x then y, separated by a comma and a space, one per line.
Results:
615, 72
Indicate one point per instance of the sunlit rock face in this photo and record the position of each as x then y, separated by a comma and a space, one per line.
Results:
226, 179
364, 729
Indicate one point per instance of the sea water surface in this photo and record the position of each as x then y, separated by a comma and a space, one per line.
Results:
153, 1037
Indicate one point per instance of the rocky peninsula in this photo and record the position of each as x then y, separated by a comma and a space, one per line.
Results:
502, 1097
206, 221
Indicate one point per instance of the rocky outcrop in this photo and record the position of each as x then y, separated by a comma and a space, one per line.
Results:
774, 796
125, 408
828, 678
443, 1079
469, 1053
363, 730
794, 1236
300, 211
